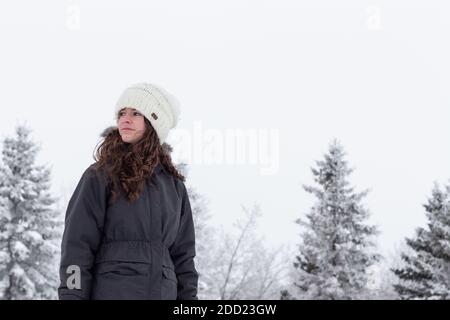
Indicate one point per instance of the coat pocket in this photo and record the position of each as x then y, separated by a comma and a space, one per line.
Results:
169, 284
119, 280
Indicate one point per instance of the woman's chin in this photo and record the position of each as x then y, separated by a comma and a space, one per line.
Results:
127, 140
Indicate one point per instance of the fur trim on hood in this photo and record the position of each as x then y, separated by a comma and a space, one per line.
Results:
107, 131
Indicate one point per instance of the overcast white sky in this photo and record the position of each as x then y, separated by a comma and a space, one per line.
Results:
373, 74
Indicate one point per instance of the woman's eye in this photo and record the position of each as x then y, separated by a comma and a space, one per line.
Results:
122, 113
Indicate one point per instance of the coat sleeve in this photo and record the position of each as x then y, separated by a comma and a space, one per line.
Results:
82, 235
183, 252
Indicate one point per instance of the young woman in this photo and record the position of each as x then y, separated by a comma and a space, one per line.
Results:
129, 230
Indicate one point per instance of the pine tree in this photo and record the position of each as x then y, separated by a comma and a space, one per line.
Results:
337, 245
29, 227
426, 270
205, 239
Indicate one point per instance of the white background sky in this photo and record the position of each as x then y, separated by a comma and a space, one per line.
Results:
373, 74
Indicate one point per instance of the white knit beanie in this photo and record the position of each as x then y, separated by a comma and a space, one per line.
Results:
160, 107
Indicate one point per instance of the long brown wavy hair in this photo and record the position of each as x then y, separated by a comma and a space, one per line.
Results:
128, 165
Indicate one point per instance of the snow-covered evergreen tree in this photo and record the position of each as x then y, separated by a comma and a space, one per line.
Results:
426, 270
205, 240
337, 245
30, 229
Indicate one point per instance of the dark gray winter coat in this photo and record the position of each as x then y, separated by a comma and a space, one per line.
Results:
139, 250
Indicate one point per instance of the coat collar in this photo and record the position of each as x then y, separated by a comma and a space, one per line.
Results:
158, 168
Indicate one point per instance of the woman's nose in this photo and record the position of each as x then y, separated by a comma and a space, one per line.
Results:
126, 118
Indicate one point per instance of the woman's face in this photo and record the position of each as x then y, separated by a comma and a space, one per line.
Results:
131, 125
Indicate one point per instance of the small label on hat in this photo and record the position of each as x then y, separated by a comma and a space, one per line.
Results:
154, 116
